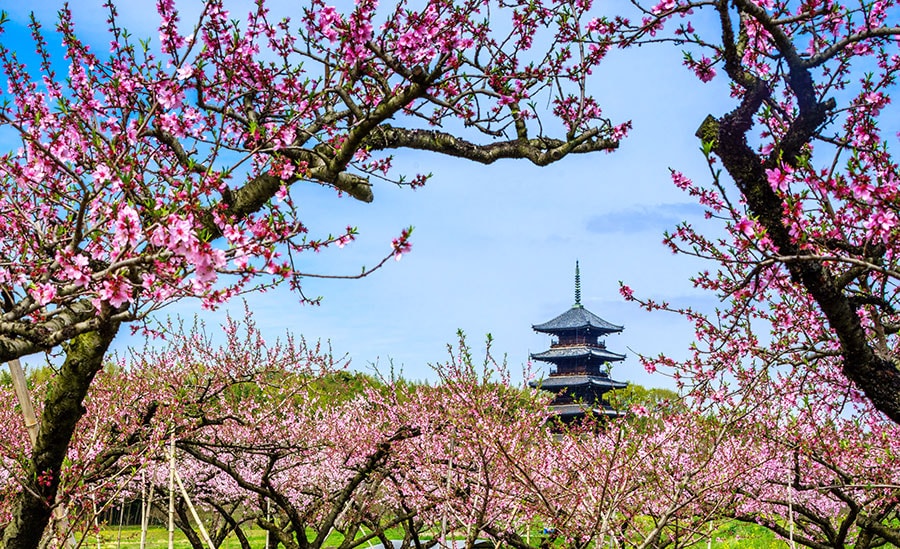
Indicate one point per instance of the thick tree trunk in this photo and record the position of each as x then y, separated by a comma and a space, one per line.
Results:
876, 376
62, 410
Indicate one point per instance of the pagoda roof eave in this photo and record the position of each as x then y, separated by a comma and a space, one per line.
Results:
556, 381
577, 318
577, 352
580, 409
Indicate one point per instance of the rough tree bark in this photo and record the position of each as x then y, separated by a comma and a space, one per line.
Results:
62, 410
877, 376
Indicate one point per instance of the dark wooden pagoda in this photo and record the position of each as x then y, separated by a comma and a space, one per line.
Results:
579, 361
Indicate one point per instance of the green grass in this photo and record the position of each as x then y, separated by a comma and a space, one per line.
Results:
733, 535
158, 538
736, 535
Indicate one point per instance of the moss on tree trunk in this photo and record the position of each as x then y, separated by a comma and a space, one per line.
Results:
62, 410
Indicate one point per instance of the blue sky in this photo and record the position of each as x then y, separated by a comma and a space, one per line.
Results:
494, 247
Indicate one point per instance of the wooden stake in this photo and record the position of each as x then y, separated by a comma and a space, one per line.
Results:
268, 517
146, 498
21, 387
96, 522
172, 493
121, 521
447, 489
193, 511
791, 514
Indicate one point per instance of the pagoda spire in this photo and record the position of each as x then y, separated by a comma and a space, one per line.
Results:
577, 285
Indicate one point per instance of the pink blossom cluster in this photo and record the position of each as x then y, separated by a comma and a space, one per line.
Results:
275, 431
133, 166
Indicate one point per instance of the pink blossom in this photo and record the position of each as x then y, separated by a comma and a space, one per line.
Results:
285, 170
881, 224
127, 228
328, 20
402, 244
116, 291
181, 234
664, 6
43, 293
102, 174
169, 95
234, 235
862, 190
746, 227
704, 69
639, 410
681, 181
184, 72
780, 178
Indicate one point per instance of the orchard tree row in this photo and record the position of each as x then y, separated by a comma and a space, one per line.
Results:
257, 443
146, 172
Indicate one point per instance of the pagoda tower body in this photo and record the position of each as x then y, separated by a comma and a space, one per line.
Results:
579, 359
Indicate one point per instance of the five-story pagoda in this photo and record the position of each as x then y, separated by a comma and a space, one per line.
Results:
578, 357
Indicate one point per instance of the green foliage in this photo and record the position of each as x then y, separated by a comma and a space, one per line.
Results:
638, 395
39, 376
33, 376
113, 369
341, 386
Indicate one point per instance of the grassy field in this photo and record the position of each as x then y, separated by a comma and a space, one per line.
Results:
737, 535
731, 536
158, 538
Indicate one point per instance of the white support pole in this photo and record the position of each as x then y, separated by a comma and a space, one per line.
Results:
172, 493
96, 520
790, 488
146, 498
444, 511
193, 511
447, 490
268, 517
21, 387
121, 521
